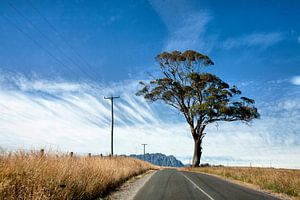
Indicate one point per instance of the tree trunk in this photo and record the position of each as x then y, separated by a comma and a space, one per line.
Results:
197, 152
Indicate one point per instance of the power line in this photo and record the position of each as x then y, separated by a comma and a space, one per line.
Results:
62, 37
38, 44
46, 37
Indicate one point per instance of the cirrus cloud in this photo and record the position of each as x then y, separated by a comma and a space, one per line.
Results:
186, 26
258, 39
72, 116
295, 80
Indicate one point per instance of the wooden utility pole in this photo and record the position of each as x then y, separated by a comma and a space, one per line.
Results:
112, 121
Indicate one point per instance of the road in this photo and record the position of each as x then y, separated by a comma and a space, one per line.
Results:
172, 184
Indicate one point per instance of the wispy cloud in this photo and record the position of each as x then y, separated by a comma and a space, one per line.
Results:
187, 29
74, 117
263, 40
185, 25
272, 140
295, 80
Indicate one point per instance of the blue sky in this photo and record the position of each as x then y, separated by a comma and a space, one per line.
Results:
59, 58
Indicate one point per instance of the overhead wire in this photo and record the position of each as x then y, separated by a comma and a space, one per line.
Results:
49, 40
62, 37
38, 44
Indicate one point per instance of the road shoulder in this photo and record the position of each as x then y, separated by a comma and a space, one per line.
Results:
129, 189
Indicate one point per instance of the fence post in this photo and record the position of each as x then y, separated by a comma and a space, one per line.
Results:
71, 153
42, 152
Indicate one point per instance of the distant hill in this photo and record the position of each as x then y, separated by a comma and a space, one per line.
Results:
159, 159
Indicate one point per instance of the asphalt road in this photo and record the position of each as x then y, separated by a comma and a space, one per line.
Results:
173, 184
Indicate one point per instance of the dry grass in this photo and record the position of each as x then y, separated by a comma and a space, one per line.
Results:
286, 181
32, 176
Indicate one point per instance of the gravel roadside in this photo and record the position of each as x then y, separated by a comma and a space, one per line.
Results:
129, 189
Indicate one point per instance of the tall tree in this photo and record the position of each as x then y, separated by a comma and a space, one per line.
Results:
202, 98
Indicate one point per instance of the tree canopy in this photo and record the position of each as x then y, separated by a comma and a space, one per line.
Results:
202, 98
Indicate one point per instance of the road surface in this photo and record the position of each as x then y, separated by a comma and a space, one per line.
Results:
178, 185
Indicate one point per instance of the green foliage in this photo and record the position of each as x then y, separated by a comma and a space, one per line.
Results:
203, 98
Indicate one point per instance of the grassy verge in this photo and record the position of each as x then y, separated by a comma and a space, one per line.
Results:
286, 181
32, 176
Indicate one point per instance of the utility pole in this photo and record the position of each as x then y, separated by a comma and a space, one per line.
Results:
144, 149
112, 121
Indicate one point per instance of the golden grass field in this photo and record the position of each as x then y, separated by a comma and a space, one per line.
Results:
59, 176
284, 181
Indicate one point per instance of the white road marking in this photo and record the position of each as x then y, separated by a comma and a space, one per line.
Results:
196, 186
